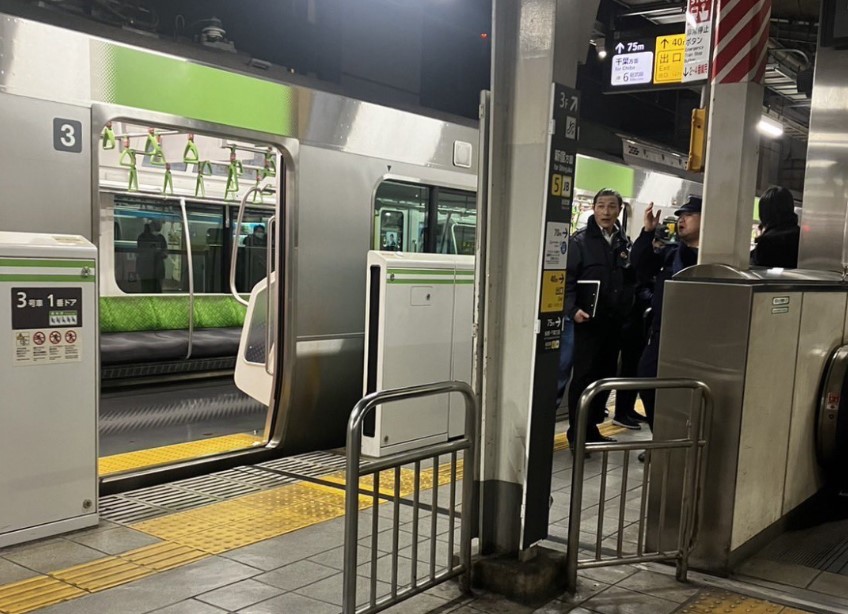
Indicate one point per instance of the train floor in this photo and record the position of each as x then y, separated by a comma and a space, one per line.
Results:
268, 539
156, 424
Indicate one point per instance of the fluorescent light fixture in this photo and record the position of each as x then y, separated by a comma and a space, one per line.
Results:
770, 127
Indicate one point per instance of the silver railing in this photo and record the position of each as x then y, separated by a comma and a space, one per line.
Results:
692, 445
394, 463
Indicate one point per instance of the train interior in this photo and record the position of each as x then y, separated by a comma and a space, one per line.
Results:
183, 248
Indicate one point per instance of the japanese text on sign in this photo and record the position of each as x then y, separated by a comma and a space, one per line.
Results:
669, 59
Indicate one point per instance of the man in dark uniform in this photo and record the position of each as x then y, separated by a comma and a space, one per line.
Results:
664, 263
599, 253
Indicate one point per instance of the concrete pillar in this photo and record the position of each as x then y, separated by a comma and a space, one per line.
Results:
736, 105
535, 42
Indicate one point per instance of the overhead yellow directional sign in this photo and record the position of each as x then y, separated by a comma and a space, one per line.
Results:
668, 64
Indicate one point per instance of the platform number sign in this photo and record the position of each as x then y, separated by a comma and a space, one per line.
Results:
67, 135
560, 177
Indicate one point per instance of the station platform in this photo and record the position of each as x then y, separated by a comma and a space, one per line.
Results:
269, 539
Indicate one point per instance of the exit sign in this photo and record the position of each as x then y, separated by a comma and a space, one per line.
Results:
648, 62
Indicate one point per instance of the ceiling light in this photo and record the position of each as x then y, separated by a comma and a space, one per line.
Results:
770, 127
601, 47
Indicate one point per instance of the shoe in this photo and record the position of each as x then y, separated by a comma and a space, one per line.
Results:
639, 417
642, 457
602, 439
627, 422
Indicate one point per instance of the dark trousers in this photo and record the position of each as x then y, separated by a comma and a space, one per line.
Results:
596, 348
648, 365
566, 359
632, 346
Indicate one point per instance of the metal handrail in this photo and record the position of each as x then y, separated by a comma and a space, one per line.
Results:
395, 461
190, 261
270, 297
234, 248
694, 441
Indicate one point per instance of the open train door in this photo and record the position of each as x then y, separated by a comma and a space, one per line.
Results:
255, 363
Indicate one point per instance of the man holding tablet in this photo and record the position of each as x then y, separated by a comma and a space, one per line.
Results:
599, 294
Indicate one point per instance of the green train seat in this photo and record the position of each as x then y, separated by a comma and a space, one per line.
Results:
143, 329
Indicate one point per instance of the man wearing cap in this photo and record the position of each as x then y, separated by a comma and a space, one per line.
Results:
664, 264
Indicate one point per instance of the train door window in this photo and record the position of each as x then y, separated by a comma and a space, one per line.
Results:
150, 246
400, 213
456, 213
252, 254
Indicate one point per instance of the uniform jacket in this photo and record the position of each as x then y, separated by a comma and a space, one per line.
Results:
664, 265
590, 257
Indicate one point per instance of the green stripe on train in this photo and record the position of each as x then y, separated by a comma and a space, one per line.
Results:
47, 264
34, 277
135, 78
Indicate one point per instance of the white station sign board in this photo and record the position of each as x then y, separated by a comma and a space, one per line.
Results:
631, 67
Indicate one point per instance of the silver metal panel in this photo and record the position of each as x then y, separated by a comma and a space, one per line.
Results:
705, 336
38, 60
725, 272
766, 413
43, 189
50, 63
825, 188
822, 322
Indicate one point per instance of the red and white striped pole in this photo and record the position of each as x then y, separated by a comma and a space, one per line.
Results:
736, 105
741, 41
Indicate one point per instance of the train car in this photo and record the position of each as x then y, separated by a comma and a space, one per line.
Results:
150, 156
206, 190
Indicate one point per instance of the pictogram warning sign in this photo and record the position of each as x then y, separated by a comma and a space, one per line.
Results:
38, 338
71, 337
670, 55
55, 337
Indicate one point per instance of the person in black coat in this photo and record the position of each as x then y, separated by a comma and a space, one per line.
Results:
150, 259
600, 252
663, 264
778, 245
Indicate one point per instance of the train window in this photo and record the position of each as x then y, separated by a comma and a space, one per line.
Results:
402, 215
457, 218
150, 246
252, 255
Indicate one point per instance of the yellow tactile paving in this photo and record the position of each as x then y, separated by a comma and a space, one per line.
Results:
206, 531
714, 601
103, 574
161, 557
29, 595
166, 455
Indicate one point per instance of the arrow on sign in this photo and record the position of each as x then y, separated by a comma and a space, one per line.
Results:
619, 48
665, 43
573, 103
